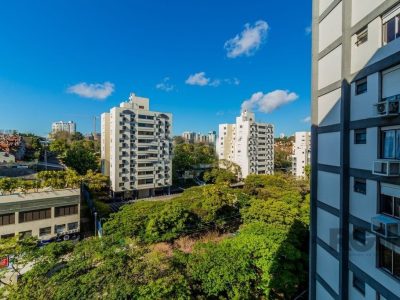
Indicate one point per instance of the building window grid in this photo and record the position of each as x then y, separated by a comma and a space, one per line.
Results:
66, 210
391, 29
34, 215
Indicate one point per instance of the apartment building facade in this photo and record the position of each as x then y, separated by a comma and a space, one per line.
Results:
69, 127
355, 193
136, 149
45, 214
194, 137
301, 153
248, 144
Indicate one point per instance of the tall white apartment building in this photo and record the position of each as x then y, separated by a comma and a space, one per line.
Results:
69, 127
301, 153
248, 144
193, 137
355, 194
136, 149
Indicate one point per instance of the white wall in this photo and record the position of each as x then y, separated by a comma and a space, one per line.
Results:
363, 155
391, 82
328, 228
366, 261
323, 5
329, 148
361, 8
329, 108
385, 51
330, 27
328, 268
330, 68
363, 53
363, 206
328, 188
354, 294
321, 293
363, 106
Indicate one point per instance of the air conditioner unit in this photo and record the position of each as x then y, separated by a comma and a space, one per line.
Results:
389, 107
385, 226
386, 167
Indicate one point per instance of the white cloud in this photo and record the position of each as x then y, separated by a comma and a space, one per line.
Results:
201, 79
306, 119
248, 41
198, 79
164, 85
267, 103
98, 91
308, 30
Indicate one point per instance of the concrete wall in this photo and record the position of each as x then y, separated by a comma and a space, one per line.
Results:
329, 67
328, 228
328, 268
363, 106
363, 206
326, 194
329, 108
363, 155
330, 27
329, 148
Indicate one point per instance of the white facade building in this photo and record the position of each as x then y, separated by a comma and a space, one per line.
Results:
136, 149
69, 127
248, 144
355, 193
44, 214
301, 153
193, 137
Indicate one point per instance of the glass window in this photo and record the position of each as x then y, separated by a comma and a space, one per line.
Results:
66, 210
44, 231
361, 86
389, 256
7, 219
388, 144
360, 185
387, 204
59, 228
73, 226
359, 234
359, 284
360, 136
25, 234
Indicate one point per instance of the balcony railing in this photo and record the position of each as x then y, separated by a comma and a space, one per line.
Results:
388, 107
385, 226
386, 167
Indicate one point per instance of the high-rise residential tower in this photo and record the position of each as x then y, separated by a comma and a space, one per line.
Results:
136, 149
355, 194
69, 127
248, 144
301, 153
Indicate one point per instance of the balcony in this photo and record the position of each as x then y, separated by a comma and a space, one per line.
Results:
388, 107
386, 167
385, 226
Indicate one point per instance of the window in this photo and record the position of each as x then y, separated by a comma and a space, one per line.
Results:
141, 107
145, 181
7, 236
34, 215
360, 186
73, 226
44, 231
66, 210
358, 284
25, 234
390, 144
360, 136
362, 36
389, 256
390, 206
361, 86
391, 29
359, 234
59, 228
7, 219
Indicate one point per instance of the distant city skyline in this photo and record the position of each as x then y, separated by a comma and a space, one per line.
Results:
203, 73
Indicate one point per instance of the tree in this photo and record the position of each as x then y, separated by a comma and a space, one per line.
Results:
81, 159
218, 175
96, 181
8, 185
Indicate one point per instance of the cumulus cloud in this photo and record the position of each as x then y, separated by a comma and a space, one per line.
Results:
267, 103
306, 119
198, 79
98, 91
248, 41
164, 85
201, 79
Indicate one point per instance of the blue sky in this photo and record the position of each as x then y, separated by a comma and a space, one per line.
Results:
196, 59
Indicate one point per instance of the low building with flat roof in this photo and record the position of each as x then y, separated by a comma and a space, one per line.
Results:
44, 214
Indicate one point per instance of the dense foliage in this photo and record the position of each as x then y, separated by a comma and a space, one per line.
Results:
77, 153
162, 249
54, 180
